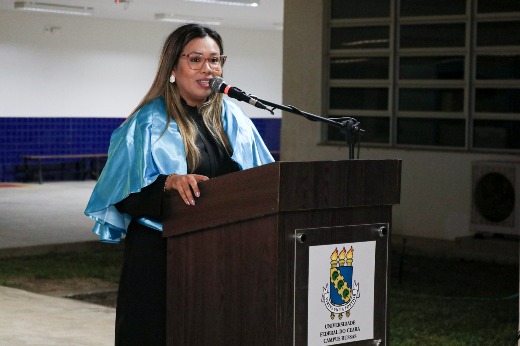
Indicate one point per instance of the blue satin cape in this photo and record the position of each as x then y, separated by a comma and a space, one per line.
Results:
140, 151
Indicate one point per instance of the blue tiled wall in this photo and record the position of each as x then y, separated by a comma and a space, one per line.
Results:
46, 136
270, 131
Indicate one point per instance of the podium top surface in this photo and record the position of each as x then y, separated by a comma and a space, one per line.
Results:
284, 187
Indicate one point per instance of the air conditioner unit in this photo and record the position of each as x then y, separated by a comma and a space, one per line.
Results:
495, 206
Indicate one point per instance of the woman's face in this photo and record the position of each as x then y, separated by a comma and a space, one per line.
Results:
194, 85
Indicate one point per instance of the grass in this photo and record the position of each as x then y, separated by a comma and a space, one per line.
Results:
452, 302
431, 301
102, 265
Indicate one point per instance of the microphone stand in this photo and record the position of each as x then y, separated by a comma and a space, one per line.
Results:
347, 125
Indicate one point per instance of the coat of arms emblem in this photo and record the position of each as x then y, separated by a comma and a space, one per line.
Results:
343, 292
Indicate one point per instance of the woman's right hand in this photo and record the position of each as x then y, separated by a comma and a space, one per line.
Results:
186, 185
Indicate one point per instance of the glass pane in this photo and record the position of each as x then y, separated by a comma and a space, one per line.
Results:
359, 98
377, 130
432, 67
498, 66
432, 35
496, 134
497, 100
496, 6
360, 37
422, 131
360, 9
433, 100
432, 8
491, 34
359, 68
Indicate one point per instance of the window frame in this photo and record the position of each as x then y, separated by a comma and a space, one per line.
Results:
469, 83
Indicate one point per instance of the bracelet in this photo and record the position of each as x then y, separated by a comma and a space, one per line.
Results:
166, 181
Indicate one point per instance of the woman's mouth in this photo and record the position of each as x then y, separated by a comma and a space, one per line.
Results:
204, 83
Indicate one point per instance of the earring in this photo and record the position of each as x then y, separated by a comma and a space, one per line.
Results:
172, 79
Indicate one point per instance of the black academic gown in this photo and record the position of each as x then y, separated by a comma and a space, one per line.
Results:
141, 302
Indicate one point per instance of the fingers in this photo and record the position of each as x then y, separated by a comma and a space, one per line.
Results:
187, 186
193, 183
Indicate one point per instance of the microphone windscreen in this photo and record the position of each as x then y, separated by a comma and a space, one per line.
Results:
216, 83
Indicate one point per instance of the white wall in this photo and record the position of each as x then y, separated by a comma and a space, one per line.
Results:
102, 68
436, 186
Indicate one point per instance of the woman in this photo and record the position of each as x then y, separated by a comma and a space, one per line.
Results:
180, 134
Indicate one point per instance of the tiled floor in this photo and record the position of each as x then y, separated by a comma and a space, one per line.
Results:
50, 213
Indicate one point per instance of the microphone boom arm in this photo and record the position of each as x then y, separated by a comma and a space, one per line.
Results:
347, 125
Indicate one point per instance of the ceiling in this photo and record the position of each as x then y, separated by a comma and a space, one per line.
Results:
268, 15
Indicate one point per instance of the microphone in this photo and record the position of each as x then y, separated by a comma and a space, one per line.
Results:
218, 85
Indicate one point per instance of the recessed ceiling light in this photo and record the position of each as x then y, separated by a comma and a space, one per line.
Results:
172, 18
251, 3
53, 8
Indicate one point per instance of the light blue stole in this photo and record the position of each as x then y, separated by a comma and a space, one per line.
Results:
140, 150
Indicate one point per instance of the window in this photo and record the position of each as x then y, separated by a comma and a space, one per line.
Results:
432, 67
360, 66
498, 33
412, 8
359, 98
359, 9
360, 37
496, 85
425, 73
499, 66
432, 35
498, 6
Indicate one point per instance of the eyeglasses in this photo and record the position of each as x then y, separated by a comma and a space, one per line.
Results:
196, 61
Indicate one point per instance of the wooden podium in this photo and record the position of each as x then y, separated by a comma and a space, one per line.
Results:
241, 262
